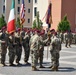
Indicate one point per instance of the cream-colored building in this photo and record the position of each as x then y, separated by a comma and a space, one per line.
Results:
31, 7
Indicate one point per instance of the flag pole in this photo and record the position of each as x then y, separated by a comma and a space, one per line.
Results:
49, 22
21, 30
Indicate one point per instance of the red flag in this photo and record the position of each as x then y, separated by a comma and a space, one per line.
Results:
49, 15
22, 13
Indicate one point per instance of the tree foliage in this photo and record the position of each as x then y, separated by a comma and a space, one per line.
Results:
18, 23
37, 23
2, 21
64, 25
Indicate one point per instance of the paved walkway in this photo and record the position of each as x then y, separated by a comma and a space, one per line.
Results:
67, 64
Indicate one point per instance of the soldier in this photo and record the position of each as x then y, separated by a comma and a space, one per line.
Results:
55, 47
11, 48
62, 37
3, 39
34, 48
68, 38
25, 40
75, 38
18, 46
41, 48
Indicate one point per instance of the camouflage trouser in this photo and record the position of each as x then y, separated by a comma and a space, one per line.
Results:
26, 53
3, 53
41, 57
55, 59
75, 41
69, 42
18, 53
66, 43
34, 58
11, 55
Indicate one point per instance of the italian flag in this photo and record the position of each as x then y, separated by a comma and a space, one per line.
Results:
11, 20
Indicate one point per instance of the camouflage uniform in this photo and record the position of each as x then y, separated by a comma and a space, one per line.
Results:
11, 48
34, 48
26, 39
41, 50
68, 39
3, 39
18, 47
55, 47
75, 38
62, 37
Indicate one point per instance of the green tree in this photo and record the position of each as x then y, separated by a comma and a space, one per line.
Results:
64, 25
18, 23
2, 21
37, 23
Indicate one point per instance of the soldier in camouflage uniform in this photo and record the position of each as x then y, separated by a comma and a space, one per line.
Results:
11, 48
74, 38
25, 40
3, 38
55, 47
41, 48
18, 46
34, 48
68, 38
62, 37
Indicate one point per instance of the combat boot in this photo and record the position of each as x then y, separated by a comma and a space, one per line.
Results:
54, 68
34, 68
2, 65
41, 66
57, 68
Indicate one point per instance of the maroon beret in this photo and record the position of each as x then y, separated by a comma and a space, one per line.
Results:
18, 29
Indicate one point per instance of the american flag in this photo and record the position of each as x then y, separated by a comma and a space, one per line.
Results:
22, 13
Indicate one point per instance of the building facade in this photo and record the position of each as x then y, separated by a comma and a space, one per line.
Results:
31, 7
59, 9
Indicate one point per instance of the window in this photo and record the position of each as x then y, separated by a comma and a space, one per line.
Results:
35, 1
28, 20
35, 11
28, 10
4, 9
18, 1
18, 10
29, 1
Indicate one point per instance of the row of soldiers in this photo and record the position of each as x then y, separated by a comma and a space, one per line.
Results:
68, 38
13, 42
33, 43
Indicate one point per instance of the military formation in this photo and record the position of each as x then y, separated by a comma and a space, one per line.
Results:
33, 41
